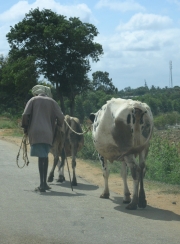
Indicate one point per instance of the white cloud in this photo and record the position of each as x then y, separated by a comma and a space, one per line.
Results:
123, 6
17, 11
139, 51
146, 22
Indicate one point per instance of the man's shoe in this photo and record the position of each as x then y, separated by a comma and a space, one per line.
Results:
39, 189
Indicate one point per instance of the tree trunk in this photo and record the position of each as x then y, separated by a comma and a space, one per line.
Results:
72, 107
61, 99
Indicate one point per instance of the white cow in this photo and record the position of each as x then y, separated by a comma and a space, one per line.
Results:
122, 129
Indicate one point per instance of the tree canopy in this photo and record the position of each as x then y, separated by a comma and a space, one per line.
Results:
61, 47
16, 79
101, 81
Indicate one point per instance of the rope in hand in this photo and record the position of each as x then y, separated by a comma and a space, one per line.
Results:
89, 128
25, 156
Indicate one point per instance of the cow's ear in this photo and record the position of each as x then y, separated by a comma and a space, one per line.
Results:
92, 117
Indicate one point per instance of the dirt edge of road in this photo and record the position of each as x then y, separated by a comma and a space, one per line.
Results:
161, 196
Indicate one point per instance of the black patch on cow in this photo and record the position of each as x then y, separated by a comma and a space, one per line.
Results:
134, 172
101, 158
146, 130
122, 135
134, 119
141, 118
95, 126
129, 119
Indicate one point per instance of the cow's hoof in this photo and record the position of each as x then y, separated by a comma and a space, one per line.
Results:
50, 179
61, 179
105, 195
131, 206
142, 203
126, 201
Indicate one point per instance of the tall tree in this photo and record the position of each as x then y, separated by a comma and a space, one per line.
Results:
16, 79
62, 49
101, 81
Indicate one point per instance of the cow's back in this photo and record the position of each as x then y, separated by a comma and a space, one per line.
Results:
120, 126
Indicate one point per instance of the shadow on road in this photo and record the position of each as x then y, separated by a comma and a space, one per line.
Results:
80, 186
59, 194
148, 212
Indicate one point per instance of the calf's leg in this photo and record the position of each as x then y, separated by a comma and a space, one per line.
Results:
61, 177
51, 174
73, 153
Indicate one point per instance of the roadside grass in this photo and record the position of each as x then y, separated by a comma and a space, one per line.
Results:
161, 187
7, 124
149, 185
10, 127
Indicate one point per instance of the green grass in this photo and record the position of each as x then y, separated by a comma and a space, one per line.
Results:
12, 125
7, 124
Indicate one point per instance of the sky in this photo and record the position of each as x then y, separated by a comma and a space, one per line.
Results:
140, 38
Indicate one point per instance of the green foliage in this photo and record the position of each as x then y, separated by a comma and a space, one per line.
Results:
61, 47
163, 120
88, 151
90, 103
163, 163
7, 121
101, 81
7, 124
16, 79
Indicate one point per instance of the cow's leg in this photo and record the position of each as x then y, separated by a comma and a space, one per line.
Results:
104, 164
74, 152
135, 172
142, 197
51, 174
61, 177
126, 198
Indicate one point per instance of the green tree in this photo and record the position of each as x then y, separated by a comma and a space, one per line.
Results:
62, 49
16, 79
101, 81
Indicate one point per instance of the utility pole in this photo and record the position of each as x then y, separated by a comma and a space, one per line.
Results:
170, 75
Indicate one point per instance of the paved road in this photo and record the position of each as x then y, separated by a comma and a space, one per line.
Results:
63, 216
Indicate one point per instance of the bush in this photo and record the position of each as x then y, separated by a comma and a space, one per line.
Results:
163, 162
7, 124
162, 120
88, 151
